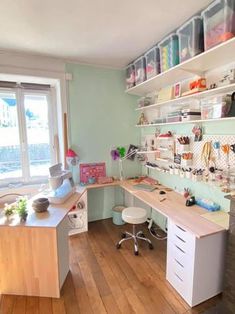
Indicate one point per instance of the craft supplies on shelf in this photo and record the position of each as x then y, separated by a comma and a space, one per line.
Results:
215, 107
191, 40
140, 70
152, 58
144, 102
130, 76
169, 52
218, 20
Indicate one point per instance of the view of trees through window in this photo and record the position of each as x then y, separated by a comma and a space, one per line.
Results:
24, 135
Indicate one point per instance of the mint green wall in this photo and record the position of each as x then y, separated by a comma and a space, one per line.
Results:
101, 116
199, 189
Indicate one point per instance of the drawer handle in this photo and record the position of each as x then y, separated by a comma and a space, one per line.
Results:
178, 277
179, 249
180, 228
180, 238
179, 263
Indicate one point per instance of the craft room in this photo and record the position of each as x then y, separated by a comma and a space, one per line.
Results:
117, 157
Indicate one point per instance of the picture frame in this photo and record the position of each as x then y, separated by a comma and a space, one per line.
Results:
177, 90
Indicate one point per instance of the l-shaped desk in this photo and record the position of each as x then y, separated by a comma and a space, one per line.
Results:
195, 246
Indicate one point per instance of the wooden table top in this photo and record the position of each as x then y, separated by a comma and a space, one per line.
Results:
172, 207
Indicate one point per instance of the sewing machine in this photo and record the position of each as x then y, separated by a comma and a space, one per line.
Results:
61, 184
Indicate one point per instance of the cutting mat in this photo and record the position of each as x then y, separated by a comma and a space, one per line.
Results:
220, 218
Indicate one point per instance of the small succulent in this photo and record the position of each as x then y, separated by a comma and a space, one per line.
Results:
19, 207
9, 209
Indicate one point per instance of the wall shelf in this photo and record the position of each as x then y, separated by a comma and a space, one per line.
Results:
184, 122
201, 95
214, 58
146, 152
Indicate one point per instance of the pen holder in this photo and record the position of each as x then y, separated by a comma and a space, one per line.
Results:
184, 148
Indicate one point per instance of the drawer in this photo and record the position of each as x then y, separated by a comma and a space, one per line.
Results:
183, 269
183, 239
182, 287
181, 258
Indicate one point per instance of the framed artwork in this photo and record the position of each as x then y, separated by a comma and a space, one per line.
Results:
177, 90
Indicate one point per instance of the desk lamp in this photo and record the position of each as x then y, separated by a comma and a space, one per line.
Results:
119, 154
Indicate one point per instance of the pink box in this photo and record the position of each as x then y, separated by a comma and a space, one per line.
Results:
89, 173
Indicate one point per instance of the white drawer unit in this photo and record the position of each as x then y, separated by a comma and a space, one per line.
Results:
195, 265
78, 221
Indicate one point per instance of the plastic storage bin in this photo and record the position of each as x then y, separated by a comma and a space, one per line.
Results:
152, 58
117, 215
219, 22
140, 70
169, 52
130, 76
191, 41
216, 107
174, 116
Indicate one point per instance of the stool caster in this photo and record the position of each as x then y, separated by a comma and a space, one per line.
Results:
150, 246
118, 245
136, 253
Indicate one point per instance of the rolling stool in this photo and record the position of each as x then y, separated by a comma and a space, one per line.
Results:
134, 216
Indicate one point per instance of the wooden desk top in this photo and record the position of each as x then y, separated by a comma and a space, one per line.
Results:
173, 207
49, 219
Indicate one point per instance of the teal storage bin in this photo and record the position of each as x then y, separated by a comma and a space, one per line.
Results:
117, 215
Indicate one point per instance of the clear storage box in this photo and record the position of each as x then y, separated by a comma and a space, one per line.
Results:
191, 41
152, 58
215, 107
140, 70
130, 76
219, 22
174, 116
169, 52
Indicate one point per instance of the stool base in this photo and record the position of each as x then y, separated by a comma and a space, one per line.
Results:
135, 236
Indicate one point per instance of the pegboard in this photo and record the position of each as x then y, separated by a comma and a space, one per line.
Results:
220, 156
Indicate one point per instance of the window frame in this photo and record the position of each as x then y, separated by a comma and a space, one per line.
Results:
23, 142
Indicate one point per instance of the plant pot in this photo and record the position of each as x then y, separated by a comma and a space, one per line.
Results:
23, 217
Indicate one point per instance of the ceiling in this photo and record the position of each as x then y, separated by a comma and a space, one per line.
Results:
100, 32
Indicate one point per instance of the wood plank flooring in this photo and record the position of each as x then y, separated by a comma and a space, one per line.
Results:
103, 279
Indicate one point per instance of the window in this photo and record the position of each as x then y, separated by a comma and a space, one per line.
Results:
27, 128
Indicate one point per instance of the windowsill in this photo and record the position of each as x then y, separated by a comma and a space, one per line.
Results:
29, 189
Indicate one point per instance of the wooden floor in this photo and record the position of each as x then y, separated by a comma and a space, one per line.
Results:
106, 280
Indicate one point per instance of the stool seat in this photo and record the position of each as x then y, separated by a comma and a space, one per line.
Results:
134, 215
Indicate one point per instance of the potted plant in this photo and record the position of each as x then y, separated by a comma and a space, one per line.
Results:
19, 207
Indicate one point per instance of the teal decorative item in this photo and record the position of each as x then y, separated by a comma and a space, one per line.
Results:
117, 215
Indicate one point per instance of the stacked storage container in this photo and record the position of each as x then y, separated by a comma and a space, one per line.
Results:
140, 70
169, 52
191, 38
152, 58
130, 76
219, 22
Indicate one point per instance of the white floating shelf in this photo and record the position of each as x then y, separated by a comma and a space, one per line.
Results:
201, 95
156, 168
216, 57
146, 152
185, 122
